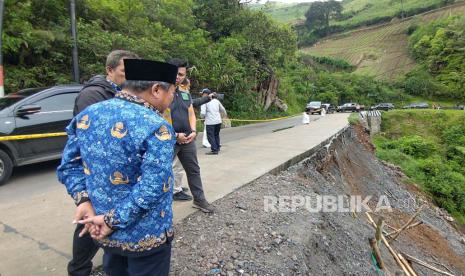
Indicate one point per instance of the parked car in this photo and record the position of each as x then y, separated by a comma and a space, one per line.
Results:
329, 108
352, 107
314, 107
34, 111
383, 106
416, 105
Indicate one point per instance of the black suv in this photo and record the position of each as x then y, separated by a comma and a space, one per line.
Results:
34, 111
383, 106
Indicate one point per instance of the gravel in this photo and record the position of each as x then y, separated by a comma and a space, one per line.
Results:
242, 238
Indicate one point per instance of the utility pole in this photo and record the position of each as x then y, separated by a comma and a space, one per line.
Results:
74, 37
2, 90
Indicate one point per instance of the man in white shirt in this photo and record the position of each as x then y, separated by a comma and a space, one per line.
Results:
212, 112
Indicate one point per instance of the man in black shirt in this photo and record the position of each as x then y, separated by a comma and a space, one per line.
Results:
184, 124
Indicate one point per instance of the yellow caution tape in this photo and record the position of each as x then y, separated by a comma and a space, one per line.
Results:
258, 120
57, 134
32, 136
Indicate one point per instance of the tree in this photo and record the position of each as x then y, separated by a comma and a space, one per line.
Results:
319, 14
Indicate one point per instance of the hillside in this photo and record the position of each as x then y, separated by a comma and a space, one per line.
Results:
366, 12
429, 146
380, 51
355, 12
284, 13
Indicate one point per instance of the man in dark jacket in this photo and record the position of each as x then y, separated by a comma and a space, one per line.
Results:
98, 88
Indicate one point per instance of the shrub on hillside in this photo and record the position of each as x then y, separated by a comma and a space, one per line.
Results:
448, 189
416, 146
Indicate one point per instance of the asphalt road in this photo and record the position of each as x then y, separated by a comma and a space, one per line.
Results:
40, 178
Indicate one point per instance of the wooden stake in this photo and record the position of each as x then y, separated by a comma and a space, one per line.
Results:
443, 265
422, 263
407, 265
379, 229
393, 253
409, 222
408, 227
376, 252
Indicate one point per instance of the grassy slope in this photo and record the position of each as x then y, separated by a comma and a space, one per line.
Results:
367, 10
285, 13
364, 10
431, 126
379, 51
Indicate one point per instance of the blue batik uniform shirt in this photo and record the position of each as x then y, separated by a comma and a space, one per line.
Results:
119, 155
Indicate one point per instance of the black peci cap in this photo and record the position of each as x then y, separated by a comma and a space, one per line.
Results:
206, 91
150, 70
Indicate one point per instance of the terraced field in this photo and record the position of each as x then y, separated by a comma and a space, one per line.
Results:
380, 51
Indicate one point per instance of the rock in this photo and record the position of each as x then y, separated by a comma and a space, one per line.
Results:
235, 255
214, 260
294, 258
229, 266
449, 218
230, 273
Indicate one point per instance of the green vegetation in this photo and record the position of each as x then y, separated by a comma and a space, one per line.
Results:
354, 118
234, 50
439, 49
429, 146
285, 13
355, 13
313, 21
381, 52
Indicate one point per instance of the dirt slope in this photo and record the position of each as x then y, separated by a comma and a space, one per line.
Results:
241, 238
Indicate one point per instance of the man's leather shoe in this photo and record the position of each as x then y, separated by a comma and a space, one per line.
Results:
181, 196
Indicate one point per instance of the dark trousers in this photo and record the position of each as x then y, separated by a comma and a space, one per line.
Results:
156, 264
84, 250
187, 154
213, 136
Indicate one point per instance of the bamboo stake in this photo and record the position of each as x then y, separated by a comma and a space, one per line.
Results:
376, 252
443, 265
422, 263
408, 227
409, 221
393, 253
379, 229
407, 265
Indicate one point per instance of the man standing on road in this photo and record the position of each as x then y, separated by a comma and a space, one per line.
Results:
117, 161
183, 85
184, 124
212, 112
98, 88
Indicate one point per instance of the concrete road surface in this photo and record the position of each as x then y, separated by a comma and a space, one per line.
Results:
36, 212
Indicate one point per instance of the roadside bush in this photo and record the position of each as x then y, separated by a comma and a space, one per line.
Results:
454, 135
432, 166
416, 146
448, 189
